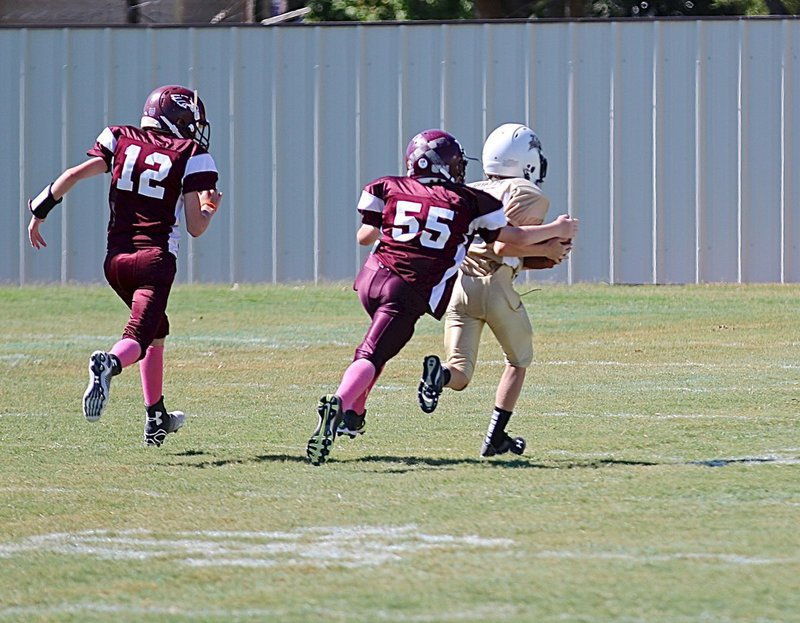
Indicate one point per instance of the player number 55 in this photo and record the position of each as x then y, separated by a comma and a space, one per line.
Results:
436, 231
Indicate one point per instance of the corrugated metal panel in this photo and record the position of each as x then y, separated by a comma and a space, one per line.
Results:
43, 148
760, 145
590, 166
718, 151
250, 186
790, 149
14, 220
632, 153
294, 208
675, 69
334, 161
674, 142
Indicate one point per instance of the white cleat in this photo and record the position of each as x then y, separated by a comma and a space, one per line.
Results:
96, 395
430, 387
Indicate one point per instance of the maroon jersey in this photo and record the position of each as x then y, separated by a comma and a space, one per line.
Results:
426, 226
150, 172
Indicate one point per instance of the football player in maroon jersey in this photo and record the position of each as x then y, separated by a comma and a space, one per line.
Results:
159, 171
421, 225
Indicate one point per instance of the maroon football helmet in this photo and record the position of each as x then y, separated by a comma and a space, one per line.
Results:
177, 110
435, 153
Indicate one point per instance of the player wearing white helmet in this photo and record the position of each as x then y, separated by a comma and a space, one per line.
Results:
514, 166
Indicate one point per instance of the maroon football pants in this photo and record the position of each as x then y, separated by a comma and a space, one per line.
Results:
394, 307
143, 280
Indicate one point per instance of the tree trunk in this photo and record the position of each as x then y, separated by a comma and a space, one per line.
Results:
134, 16
249, 11
575, 8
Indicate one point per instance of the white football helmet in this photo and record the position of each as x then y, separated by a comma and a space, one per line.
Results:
514, 150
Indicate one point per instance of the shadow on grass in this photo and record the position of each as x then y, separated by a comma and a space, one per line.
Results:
410, 462
210, 462
522, 463
403, 464
499, 463
745, 460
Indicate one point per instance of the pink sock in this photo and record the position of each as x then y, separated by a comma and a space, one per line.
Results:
151, 369
127, 351
361, 401
356, 380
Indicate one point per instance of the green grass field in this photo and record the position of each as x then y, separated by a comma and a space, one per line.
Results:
661, 482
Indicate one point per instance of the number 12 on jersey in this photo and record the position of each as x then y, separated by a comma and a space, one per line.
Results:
150, 177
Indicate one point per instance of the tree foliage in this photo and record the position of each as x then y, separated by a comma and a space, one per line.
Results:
393, 10
388, 10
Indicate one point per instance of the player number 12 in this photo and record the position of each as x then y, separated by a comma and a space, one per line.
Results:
149, 177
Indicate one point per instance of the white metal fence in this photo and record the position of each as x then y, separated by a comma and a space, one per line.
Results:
675, 142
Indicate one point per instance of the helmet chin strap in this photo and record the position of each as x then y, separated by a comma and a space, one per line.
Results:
443, 171
437, 166
173, 128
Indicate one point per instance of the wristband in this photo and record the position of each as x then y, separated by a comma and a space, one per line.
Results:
42, 203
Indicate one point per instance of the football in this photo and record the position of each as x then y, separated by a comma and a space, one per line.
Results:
539, 262
534, 263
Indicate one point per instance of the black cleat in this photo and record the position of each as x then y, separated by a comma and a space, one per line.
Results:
159, 423
430, 387
515, 445
101, 369
352, 424
330, 413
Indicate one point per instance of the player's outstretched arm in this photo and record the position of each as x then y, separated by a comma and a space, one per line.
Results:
562, 227
555, 249
53, 193
200, 207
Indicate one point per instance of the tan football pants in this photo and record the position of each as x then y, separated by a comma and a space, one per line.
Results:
492, 300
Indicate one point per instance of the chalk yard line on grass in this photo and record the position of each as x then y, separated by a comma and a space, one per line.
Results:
649, 416
15, 358
732, 365
78, 491
644, 558
768, 459
237, 340
487, 612
348, 546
